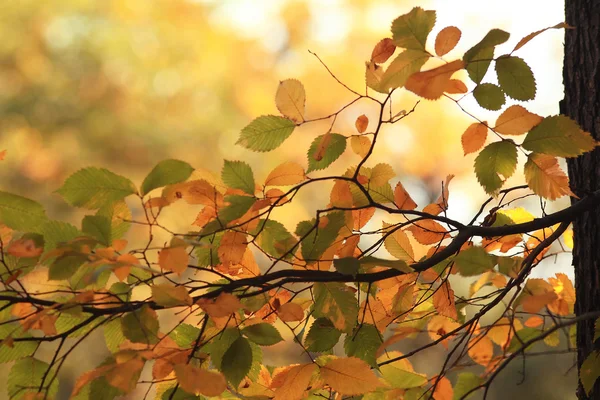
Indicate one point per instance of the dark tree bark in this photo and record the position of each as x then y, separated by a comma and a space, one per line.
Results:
581, 76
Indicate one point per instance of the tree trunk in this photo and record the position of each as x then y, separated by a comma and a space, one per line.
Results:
581, 75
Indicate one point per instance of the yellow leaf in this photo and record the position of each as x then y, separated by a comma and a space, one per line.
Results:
174, 258
446, 40
232, 247
431, 84
383, 50
341, 196
295, 382
290, 99
474, 137
443, 301
402, 199
167, 295
373, 76
568, 238
380, 175
398, 244
200, 381
362, 123
360, 145
516, 120
288, 173
349, 376
545, 178
290, 312
223, 306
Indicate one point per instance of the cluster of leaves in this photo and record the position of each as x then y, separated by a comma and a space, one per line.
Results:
241, 281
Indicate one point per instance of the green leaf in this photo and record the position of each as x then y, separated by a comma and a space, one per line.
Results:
18, 349
179, 394
20, 213
495, 164
465, 382
219, 345
559, 136
207, 254
56, 232
166, 172
474, 261
113, 335
590, 371
238, 175
65, 266
404, 65
26, 376
322, 336
141, 326
410, 30
99, 227
336, 302
319, 239
237, 361
118, 213
238, 206
335, 148
262, 334
489, 96
346, 265
479, 57
522, 336
382, 194
363, 343
185, 335
515, 78
274, 239
266, 133
400, 378
371, 261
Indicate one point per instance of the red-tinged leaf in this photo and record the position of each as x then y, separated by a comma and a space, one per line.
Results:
88, 377
474, 137
223, 306
527, 38
26, 248
124, 376
360, 145
322, 147
349, 376
232, 247
443, 390
197, 380
194, 192
290, 312
174, 258
341, 196
2, 155
481, 350
455, 86
362, 216
402, 332
362, 122
534, 321
288, 173
516, 120
536, 295
439, 326
545, 178
123, 265
383, 50
431, 84
402, 199
443, 301
295, 382
446, 40
205, 216
349, 247
441, 203
427, 231
167, 295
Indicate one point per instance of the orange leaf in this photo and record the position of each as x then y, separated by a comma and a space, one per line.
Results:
360, 145
322, 147
24, 248
159, 202
427, 231
516, 120
288, 173
174, 258
124, 376
439, 326
474, 137
534, 321
443, 301
341, 196
223, 306
455, 86
431, 84
362, 216
290, 312
295, 382
481, 350
443, 390
2, 154
205, 216
383, 50
446, 40
199, 380
349, 376
441, 203
545, 178
402, 199
194, 192
527, 38
362, 123
232, 247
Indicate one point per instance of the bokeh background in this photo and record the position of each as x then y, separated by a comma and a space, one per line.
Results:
123, 84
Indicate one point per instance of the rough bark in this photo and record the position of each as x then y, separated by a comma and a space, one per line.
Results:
581, 75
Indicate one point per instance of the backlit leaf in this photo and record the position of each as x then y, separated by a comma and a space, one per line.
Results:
443, 301
141, 326
93, 188
474, 137
237, 361
427, 231
341, 195
290, 99
224, 305
380, 175
290, 312
410, 30
590, 371
446, 40
295, 383
361, 123
167, 295
238, 175
26, 376
262, 334
515, 78
383, 50
479, 57
404, 65
232, 247
324, 150
516, 120
363, 343
402, 199
431, 84
398, 244
336, 302
559, 136
197, 380
527, 38
474, 261
545, 178
455, 86
401, 375
166, 172
288, 173
175, 257
20, 213
465, 383
373, 76
349, 376
346, 265
360, 145
495, 164
489, 96
322, 336
266, 133
481, 350
98, 227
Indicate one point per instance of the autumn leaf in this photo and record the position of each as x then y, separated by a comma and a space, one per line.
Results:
167, 295
446, 40
441, 203
23, 247
290, 312
527, 38
380, 175
443, 301
341, 196
455, 86
197, 380
545, 178
232, 248
362, 122
516, 120
360, 145
224, 305
431, 84
174, 258
383, 50
398, 244
427, 231
402, 199
290, 99
349, 376
481, 350
474, 137
288, 173
295, 383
